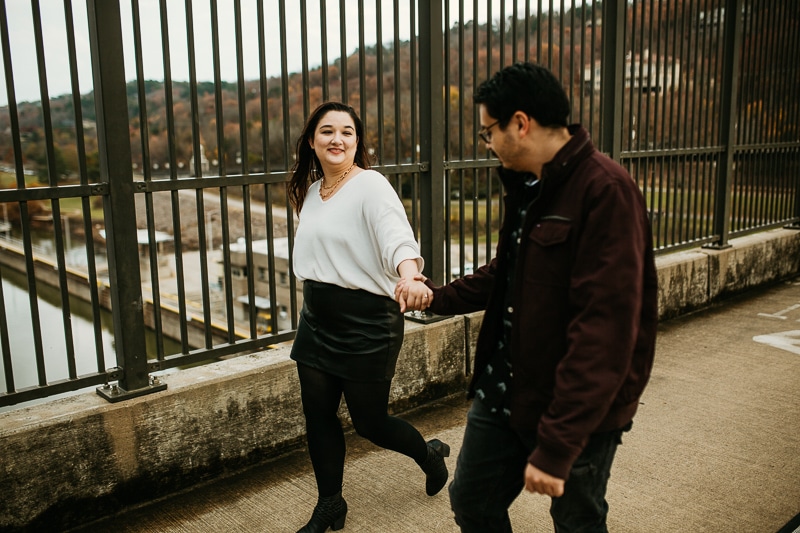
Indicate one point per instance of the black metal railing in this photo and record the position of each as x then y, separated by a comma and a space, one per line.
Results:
152, 187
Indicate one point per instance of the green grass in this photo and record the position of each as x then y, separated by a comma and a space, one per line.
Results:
69, 206
8, 180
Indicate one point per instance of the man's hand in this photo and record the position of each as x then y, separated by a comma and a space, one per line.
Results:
542, 483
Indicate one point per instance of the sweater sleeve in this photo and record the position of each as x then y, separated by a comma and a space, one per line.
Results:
391, 230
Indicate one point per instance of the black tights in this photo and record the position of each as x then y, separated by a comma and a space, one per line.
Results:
367, 403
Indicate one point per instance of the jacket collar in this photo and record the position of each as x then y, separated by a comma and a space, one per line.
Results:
570, 155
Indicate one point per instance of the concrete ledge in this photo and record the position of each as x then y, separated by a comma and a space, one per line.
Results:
682, 282
697, 278
73, 460
76, 459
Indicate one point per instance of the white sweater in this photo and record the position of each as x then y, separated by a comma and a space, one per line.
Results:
356, 238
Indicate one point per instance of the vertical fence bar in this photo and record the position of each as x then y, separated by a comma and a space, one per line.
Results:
398, 147
245, 169
381, 149
343, 52
57, 220
91, 265
16, 139
732, 40
323, 35
612, 77
144, 135
449, 122
431, 149
268, 198
105, 35
174, 195
475, 127
221, 159
304, 56
792, 110
794, 157
204, 243
362, 67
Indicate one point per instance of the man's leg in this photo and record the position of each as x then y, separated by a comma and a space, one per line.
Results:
583, 507
489, 473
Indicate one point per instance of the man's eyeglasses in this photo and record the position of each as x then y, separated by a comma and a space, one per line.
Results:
486, 134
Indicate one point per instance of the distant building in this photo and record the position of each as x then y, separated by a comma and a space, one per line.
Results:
644, 72
239, 278
712, 18
165, 246
204, 165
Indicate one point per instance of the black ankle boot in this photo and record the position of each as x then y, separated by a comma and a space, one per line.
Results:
434, 466
330, 512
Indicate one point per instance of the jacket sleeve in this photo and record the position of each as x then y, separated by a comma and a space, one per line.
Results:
605, 300
464, 295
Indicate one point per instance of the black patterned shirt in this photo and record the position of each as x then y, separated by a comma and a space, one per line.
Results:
492, 386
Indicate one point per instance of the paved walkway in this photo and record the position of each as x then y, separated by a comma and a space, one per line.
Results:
715, 447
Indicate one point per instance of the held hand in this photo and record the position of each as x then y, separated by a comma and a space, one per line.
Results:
540, 482
425, 297
401, 289
401, 293
413, 294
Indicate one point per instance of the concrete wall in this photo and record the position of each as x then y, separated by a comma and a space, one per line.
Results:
73, 460
697, 278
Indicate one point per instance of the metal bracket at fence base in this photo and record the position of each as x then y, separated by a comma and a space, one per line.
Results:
793, 225
716, 246
424, 317
113, 393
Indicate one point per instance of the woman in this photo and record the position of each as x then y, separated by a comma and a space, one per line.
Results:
353, 243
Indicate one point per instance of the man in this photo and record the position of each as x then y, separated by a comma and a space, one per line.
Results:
568, 336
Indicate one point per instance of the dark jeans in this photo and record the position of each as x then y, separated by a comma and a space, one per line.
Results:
490, 474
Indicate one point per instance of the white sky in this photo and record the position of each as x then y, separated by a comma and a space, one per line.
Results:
23, 48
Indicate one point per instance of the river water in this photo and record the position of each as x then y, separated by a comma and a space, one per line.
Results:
21, 332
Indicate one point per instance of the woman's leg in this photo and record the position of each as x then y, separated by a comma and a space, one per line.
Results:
321, 394
368, 404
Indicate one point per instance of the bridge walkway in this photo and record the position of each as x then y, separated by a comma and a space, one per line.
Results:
715, 447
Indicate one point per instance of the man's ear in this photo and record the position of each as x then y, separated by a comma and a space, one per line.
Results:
523, 123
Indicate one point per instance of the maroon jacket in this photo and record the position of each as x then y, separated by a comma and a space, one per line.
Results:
584, 305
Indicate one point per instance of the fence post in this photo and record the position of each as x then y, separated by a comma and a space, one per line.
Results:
729, 120
431, 127
612, 77
794, 160
108, 69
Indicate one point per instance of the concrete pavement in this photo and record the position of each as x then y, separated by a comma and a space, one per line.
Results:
715, 447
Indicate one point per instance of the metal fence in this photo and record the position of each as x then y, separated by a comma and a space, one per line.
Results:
152, 187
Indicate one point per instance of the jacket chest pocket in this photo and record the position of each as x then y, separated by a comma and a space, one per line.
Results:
548, 252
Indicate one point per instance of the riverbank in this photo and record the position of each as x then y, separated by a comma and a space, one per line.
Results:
12, 256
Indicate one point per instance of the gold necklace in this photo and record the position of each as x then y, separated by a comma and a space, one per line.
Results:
322, 187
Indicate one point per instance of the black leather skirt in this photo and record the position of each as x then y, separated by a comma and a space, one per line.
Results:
352, 334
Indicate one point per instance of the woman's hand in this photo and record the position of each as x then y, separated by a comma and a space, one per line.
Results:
413, 294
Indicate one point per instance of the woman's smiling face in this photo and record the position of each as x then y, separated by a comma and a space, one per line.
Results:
335, 140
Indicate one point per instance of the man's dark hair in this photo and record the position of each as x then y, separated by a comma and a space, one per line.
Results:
525, 87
